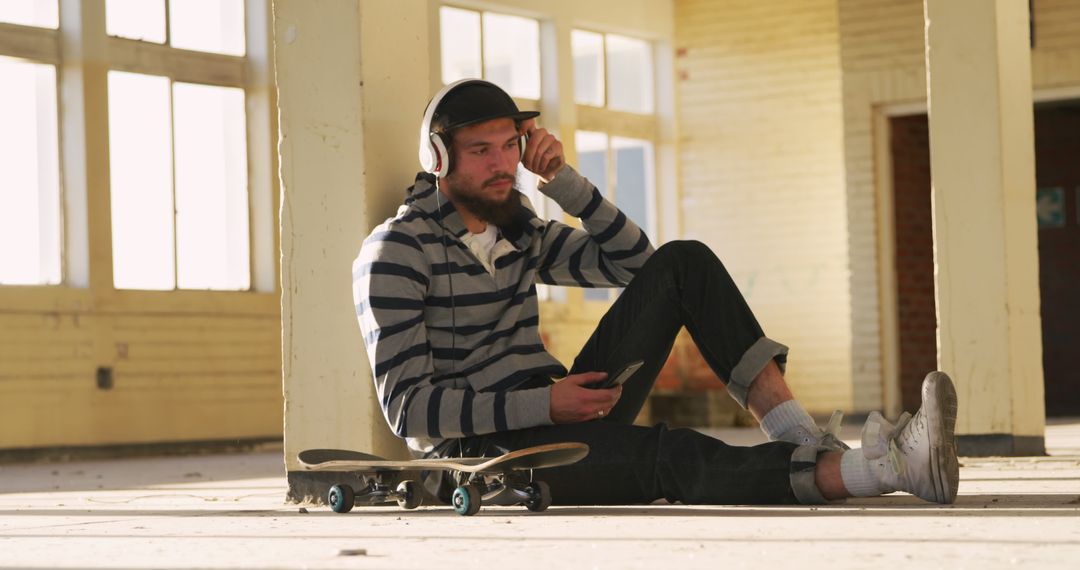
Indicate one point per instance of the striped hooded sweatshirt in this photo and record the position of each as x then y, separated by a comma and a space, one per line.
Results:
450, 344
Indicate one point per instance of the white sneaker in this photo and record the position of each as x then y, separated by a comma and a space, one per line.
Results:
827, 438
921, 449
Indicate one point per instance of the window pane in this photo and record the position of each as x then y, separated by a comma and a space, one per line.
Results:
40, 13
588, 50
592, 158
633, 179
212, 241
527, 182
512, 54
592, 164
545, 207
630, 81
136, 19
207, 25
140, 165
460, 31
29, 175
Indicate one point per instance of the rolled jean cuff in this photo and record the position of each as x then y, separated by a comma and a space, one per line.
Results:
803, 468
751, 364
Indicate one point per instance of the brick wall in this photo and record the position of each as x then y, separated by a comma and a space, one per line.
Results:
913, 231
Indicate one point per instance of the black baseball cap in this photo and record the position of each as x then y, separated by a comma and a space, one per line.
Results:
475, 102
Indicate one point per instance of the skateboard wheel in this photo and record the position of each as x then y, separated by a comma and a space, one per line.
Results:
467, 500
539, 496
341, 498
408, 495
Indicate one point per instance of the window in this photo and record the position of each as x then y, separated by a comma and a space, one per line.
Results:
30, 199
588, 50
212, 245
500, 48
140, 155
622, 169
38, 13
178, 148
615, 140
215, 26
179, 122
29, 175
136, 19
207, 25
178, 166
460, 41
629, 74
612, 71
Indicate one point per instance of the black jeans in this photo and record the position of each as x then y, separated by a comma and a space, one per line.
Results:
682, 284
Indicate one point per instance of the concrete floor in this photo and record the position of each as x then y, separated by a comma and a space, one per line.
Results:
227, 512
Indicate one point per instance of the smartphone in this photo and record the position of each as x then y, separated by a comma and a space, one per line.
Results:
618, 378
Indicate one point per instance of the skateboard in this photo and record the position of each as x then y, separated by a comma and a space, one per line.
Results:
503, 480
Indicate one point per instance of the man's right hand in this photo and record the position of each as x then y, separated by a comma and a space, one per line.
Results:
572, 402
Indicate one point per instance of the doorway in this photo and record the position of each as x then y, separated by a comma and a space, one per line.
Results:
1057, 160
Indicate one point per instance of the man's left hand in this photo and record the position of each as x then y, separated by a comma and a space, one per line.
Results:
543, 153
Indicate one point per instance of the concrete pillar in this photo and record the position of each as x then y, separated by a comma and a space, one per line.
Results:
337, 154
985, 240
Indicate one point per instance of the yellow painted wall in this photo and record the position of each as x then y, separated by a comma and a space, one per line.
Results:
197, 367
761, 159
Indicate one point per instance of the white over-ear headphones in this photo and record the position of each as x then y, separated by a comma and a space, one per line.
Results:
434, 156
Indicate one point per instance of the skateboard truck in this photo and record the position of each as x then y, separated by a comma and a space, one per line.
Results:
500, 489
342, 498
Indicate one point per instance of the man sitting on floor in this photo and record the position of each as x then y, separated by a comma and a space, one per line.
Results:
446, 298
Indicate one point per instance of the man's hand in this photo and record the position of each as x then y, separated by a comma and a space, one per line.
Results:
572, 402
543, 153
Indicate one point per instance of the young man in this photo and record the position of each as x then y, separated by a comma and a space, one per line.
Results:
446, 298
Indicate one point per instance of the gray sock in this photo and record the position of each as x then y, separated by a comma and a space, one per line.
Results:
785, 416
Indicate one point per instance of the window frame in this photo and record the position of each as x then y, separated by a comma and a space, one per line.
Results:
617, 124
523, 103
83, 54
185, 66
39, 45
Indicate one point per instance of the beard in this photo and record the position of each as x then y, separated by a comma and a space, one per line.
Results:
492, 210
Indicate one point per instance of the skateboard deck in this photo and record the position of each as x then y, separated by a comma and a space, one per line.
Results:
495, 480
537, 457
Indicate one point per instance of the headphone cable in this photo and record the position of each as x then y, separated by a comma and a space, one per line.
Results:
450, 280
